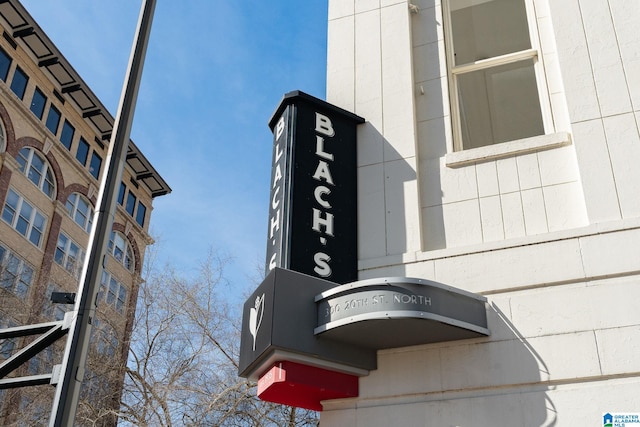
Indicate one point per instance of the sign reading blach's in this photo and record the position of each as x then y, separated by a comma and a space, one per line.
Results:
313, 204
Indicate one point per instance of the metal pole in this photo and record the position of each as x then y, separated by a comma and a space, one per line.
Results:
65, 402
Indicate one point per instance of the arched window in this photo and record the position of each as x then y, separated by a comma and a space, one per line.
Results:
3, 138
80, 210
121, 250
37, 169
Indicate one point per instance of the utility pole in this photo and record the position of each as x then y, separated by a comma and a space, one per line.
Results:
65, 402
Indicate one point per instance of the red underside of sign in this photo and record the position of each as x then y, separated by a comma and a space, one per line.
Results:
305, 386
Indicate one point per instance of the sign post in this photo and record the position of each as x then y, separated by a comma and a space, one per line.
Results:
65, 400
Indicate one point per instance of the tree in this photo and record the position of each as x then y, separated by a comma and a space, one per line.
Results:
182, 368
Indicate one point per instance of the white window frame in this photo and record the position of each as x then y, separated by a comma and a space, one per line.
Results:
454, 71
3, 138
16, 281
73, 210
18, 214
111, 292
121, 250
72, 264
105, 338
46, 173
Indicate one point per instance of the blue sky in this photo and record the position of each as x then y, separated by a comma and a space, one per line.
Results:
215, 71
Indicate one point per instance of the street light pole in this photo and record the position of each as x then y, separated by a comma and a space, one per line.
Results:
72, 370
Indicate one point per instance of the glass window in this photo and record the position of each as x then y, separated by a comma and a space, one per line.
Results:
140, 214
37, 169
121, 192
112, 292
83, 151
493, 72
53, 119
122, 299
69, 255
131, 203
105, 338
5, 63
19, 82
7, 346
2, 138
80, 210
66, 137
16, 275
23, 217
121, 250
95, 165
38, 102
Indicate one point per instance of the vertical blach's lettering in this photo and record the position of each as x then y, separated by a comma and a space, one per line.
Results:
322, 220
324, 125
322, 268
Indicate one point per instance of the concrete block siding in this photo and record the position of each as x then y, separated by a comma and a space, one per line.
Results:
550, 233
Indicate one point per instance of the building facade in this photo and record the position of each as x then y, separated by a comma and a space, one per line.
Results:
54, 137
500, 157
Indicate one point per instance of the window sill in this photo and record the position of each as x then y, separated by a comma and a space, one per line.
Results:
507, 149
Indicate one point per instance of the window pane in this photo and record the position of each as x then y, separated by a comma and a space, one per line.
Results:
72, 257
113, 290
122, 298
121, 192
19, 83
96, 164
35, 171
35, 236
5, 63
66, 137
23, 219
128, 260
499, 104
81, 214
71, 203
59, 254
47, 186
131, 203
10, 207
83, 151
38, 228
37, 103
142, 211
484, 29
53, 120
23, 158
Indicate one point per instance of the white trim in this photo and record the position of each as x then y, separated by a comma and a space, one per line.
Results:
507, 149
507, 58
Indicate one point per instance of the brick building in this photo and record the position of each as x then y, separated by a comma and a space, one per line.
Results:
54, 136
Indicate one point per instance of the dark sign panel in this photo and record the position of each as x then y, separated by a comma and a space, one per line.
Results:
278, 323
313, 204
399, 312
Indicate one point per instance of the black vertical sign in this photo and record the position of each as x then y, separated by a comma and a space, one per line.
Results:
313, 204
280, 192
